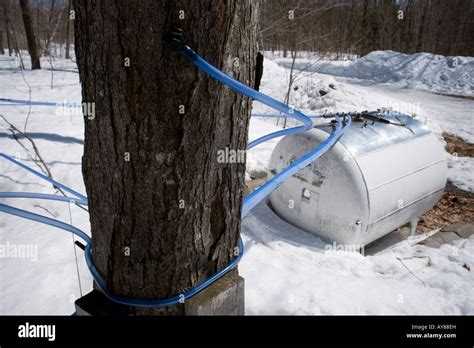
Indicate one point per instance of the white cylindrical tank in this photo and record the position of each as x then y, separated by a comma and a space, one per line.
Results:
376, 178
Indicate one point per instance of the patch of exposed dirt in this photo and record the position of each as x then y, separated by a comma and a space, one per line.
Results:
456, 145
468, 97
254, 184
456, 206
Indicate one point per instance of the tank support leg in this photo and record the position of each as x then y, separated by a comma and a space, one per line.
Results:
413, 225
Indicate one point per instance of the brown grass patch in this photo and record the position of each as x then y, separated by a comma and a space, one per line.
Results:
456, 145
456, 206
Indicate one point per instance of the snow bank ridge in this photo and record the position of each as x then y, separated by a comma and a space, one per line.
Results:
422, 70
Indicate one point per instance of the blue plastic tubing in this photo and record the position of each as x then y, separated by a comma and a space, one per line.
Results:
250, 200
257, 196
90, 263
18, 102
280, 116
44, 177
250, 92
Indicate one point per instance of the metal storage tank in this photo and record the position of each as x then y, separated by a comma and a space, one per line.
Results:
385, 171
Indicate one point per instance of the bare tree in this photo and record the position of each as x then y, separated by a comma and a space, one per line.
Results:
30, 34
7, 27
323, 26
68, 34
362, 26
154, 183
2, 50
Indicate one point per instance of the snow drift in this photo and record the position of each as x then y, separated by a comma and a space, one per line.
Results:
433, 72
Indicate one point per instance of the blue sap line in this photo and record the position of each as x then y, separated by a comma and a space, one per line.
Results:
250, 200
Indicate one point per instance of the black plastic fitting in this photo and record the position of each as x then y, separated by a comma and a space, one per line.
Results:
175, 37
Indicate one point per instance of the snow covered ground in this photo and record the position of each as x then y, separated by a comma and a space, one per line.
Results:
287, 271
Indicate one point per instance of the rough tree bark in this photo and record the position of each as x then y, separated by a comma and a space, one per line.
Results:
2, 51
68, 35
172, 204
7, 27
30, 34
